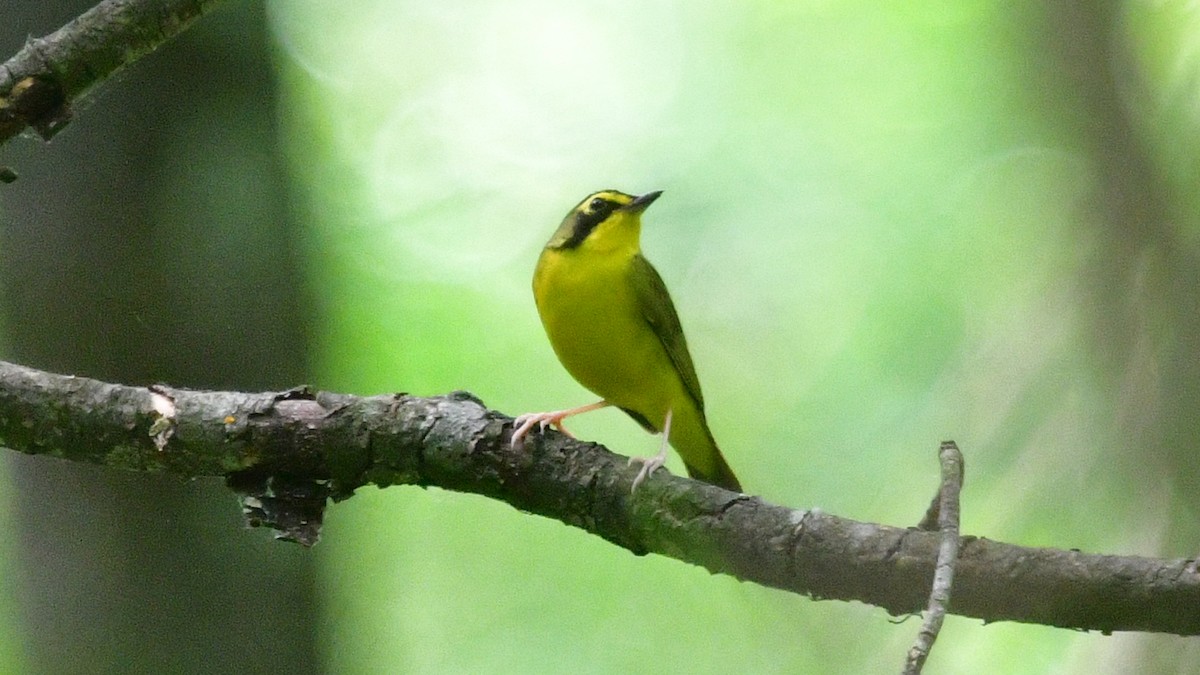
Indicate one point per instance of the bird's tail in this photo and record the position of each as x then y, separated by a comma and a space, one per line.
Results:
718, 474
694, 440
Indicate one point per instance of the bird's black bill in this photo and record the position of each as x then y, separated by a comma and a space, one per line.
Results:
639, 204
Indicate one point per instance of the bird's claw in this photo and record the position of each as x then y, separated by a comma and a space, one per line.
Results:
649, 466
523, 424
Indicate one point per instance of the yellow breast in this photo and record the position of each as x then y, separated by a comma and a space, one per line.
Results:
588, 307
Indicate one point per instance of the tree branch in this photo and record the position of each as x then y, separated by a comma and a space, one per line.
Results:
340, 442
39, 83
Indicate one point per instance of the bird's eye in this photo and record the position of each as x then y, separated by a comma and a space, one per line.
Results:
596, 205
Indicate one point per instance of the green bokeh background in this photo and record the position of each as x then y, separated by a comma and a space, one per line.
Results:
884, 225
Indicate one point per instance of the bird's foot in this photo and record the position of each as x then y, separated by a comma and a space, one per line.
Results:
649, 466
525, 423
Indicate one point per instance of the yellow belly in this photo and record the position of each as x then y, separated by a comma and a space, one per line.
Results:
590, 313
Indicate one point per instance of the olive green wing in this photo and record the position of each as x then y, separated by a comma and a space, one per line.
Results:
656, 307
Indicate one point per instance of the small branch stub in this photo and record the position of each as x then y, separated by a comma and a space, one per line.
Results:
37, 102
164, 426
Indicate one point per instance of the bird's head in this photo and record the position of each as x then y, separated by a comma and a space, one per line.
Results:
604, 221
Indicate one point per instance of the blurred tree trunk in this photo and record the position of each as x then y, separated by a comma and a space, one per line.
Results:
151, 242
1145, 279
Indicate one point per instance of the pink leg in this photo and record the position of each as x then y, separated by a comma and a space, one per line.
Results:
525, 423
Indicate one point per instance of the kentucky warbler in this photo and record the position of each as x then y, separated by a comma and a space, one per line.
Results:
614, 328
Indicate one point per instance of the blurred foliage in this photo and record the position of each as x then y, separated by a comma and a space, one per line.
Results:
883, 226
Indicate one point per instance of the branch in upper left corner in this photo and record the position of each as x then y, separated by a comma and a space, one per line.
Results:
40, 82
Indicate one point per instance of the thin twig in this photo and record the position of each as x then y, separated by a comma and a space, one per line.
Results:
947, 515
